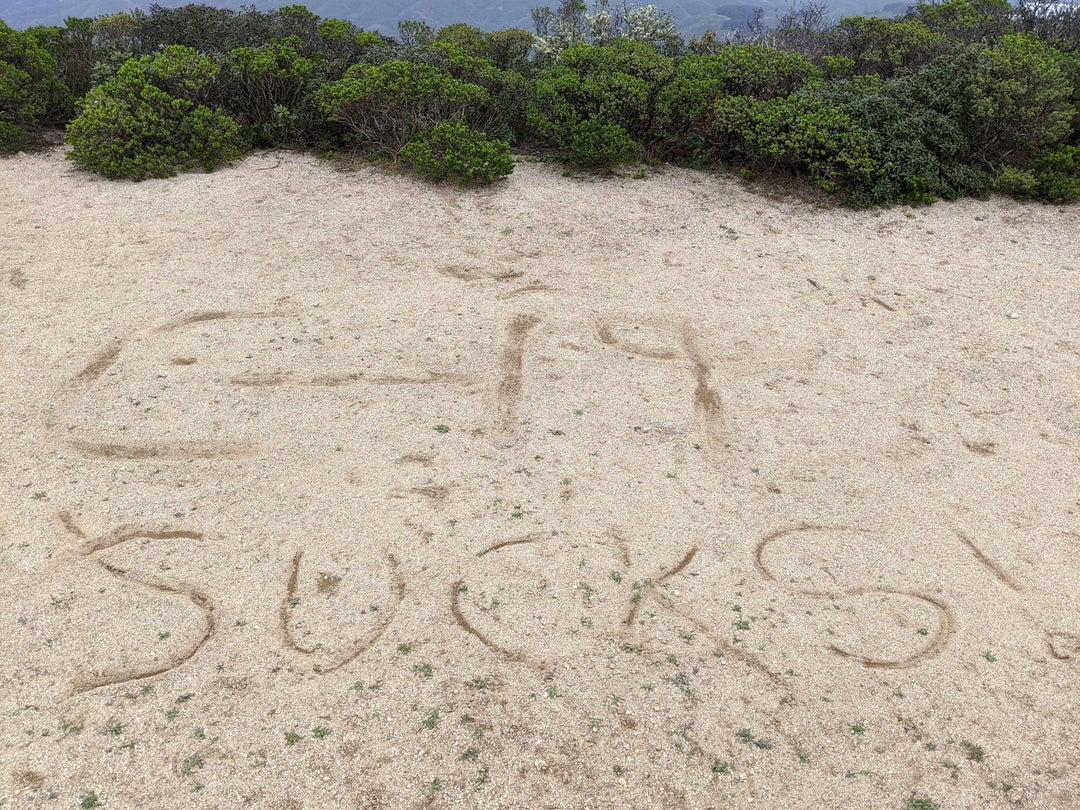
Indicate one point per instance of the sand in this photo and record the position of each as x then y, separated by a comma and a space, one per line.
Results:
323, 489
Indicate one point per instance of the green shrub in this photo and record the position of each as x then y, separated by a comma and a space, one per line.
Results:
471, 40
504, 115
838, 67
1022, 98
131, 127
386, 105
509, 49
684, 105
1056, 24
73, 48
267, 88
915, 134
451, 150
29, 90
886, 47
11, 137
594, 90
119, 32
1019, 183
800, 133
180, 72
965, 20
1057, 174
598, 144
196, 26
334, 43
1054, 177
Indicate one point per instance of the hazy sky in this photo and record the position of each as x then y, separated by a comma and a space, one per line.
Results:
693, 16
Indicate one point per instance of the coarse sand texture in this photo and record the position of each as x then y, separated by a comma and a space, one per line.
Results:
327, 489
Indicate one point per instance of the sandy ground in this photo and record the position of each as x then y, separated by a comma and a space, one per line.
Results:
331, 490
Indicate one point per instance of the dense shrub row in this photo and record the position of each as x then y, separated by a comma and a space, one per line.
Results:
955, 98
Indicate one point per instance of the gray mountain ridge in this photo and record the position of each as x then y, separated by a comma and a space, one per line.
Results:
693, 16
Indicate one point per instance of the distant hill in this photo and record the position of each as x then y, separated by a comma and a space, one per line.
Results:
694, 16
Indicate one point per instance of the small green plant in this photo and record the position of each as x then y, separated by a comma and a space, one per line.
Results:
746, 736
975, 753
423, 670
432, 720
89, 799
471, 754
292, 738
191, 764
451, 150
442, 428
70, 728
320, 732
914, 803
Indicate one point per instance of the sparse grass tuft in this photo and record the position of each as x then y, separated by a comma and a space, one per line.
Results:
191, 764
424, 670
975, 753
